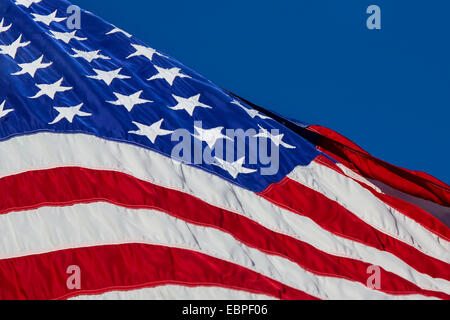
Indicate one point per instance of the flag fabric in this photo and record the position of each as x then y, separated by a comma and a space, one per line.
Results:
94, 204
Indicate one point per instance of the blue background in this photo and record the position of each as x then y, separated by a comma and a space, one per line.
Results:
314, 60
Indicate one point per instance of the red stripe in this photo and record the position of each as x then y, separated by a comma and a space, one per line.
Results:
335, 218
56, 187
415, 183
126, 267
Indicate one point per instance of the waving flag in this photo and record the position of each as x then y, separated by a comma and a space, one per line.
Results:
114, 184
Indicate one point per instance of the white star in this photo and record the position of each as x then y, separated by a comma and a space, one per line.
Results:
89, 56
66, 36
277, 140
210, 136
152, 131
233, 168
32, 67
48, 19
4, 28
50, 89
143, 51
108, 76
251, 112
116, 30
27, 3
129, 101
69, 113
4, 112
168, 74
11, 49
189, 104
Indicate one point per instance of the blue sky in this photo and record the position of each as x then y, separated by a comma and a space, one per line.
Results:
314, 60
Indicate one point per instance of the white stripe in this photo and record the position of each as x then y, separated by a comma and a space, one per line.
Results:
363, 204
352, 174
47, 150
176, 292
440, 212
55, 228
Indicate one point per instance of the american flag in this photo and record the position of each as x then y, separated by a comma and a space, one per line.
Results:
90, 186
